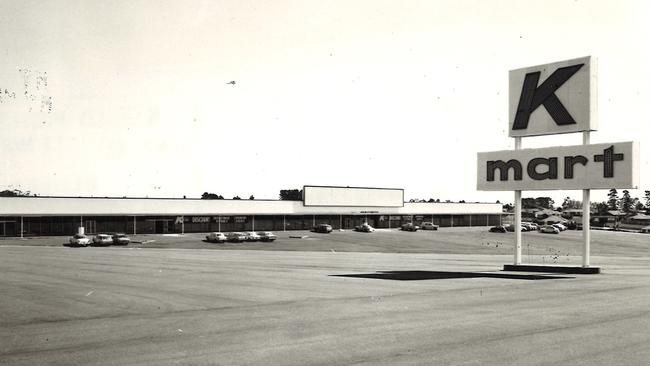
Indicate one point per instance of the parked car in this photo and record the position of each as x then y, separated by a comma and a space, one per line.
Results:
549, 229
511, 228
102, 239
498, 229
121, 239
322, 228
410, 227
252, 236
364, 228
530, 226
236, 237
559, 226
216, 237
267, 236
429, 226
80, 240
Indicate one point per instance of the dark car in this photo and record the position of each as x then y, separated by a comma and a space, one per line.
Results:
236, 237
364, 228
498, 229
410, 227
102, 240
322, 228
121, 239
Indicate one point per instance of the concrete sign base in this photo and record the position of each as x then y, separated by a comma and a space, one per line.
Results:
551, 269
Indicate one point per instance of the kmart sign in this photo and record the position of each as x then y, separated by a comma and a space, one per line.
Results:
599, 166
551, 99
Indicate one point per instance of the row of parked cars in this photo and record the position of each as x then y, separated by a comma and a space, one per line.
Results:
366, 228
424, 226
238, 237
530, 226
81, 240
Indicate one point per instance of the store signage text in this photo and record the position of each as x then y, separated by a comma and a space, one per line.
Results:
565, 167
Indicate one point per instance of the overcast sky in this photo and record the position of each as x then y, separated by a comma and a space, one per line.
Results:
173, 98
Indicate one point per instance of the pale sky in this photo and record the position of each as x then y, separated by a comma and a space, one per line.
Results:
398, 94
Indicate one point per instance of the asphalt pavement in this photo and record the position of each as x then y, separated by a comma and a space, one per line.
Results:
139, 305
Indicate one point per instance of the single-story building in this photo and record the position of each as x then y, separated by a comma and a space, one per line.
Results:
341, 207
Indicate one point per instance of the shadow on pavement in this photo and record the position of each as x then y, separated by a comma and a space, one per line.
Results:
441, 275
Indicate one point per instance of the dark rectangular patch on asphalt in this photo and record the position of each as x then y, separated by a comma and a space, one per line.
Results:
443, 275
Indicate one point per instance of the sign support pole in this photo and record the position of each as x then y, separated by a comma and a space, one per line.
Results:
586, 213
518, 215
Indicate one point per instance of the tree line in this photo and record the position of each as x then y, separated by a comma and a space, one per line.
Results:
626, 203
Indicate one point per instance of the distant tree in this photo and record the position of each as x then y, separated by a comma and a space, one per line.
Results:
639, 206
211, 196
236, 198
544, 202
461, 201
15, 193
498, 201
251, 197
647, 200
571, 204
528, 203
508, 207
291, 194
612, 201
601, 208
431, 200
626, 202
437, 200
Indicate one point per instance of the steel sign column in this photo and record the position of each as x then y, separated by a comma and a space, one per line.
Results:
517, 215
21, 227
586, 214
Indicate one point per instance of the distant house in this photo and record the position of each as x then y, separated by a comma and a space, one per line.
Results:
554, 219
638, 222
611, 219
571, 213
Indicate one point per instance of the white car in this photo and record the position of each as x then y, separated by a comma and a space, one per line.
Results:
80, 240
102, 239
216, 237
560, 227
266, 236
429, 226
252, 236
549, 229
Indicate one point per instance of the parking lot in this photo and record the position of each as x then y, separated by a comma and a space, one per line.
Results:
388, 297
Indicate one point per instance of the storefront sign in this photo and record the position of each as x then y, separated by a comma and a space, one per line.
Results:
559, 97
600, 166
200, 219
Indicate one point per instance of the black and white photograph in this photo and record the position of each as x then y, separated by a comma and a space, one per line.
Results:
362, 182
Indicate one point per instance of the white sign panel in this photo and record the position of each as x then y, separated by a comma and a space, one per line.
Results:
553, 98
599, 166
353, 196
